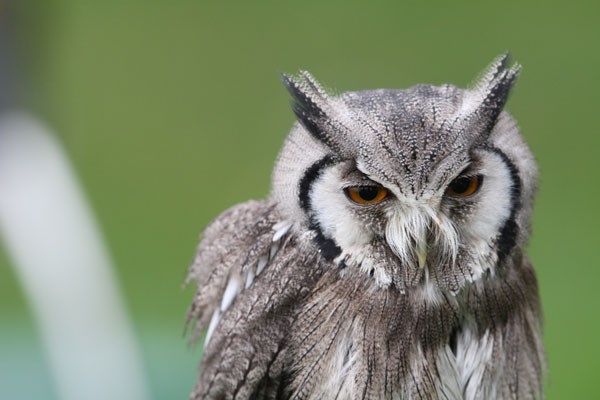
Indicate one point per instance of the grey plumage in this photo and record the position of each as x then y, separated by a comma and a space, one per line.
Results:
419, 288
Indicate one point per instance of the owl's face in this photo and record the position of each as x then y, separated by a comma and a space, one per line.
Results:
423, 186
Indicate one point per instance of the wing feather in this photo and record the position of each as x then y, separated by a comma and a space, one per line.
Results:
252, 274
230, 246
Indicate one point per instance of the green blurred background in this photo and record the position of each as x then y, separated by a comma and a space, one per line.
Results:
173, 110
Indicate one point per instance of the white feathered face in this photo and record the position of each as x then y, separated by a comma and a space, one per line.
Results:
412, 187
464, 217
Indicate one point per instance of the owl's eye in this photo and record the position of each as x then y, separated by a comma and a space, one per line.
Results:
366, 194
464, 186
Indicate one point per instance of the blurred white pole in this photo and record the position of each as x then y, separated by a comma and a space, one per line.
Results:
58, 253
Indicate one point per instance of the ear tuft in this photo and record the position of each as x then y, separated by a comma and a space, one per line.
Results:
321, 114
492, 90
308, 101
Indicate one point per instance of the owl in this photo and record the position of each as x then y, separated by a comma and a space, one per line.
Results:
388, 261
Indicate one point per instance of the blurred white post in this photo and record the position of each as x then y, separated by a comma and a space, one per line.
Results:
59, 256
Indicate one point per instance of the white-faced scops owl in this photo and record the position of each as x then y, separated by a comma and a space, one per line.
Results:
388, 261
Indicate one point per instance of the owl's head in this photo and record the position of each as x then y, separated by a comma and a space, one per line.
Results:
430, 185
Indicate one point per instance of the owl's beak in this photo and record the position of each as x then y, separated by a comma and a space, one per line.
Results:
415, 229
422, 254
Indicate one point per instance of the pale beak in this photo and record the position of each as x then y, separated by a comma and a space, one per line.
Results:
422, 254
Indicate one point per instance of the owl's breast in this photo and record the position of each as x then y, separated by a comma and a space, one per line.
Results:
352, 339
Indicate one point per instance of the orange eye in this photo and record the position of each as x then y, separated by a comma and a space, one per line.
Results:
464, 186
366, 194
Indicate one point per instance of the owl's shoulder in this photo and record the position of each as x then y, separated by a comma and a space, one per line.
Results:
253, 272
229, 246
